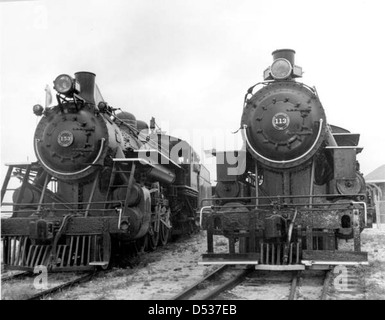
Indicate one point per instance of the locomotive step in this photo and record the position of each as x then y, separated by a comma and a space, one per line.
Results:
99, 263
229, 262
287, 267
332, 257
232, 259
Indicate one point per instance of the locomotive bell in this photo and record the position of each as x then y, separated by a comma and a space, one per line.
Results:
128, 118
143, 130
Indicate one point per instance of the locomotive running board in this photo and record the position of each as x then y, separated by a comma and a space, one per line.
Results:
99, 263
331, 257
246, 259
231, 259
266, 267
314, 263
229, 262
164, 159
284, 267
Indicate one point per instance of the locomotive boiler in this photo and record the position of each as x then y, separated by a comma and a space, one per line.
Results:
295, 188
103, 181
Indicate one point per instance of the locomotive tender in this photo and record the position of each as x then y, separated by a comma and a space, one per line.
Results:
294, 189
102, 181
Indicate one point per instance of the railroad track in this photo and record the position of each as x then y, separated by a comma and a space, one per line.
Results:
8, 277
68, 284
311, 285
21, 286
213, 284
229, 283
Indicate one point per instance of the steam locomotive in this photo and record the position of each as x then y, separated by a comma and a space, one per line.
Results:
103, 180
294, 189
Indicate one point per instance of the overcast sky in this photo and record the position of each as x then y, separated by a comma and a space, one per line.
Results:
189, 63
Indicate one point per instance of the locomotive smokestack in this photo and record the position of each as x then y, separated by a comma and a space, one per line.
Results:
87, 85
287, 54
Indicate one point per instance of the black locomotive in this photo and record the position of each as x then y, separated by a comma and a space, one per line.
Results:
102, 180
295, 188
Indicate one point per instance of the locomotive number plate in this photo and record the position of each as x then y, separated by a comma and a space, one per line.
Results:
281, 121
65, 138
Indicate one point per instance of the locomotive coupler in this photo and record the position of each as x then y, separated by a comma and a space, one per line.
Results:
41, 230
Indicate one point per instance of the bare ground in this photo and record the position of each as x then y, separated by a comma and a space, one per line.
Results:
373, 241
161, 274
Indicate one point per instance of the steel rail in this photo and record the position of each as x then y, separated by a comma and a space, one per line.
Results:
326, 284
227, 285
294, 285
15, 276
68, 284
191, 290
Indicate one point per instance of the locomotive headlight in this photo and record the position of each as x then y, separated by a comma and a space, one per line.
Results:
63, 83
281, 69
66, 85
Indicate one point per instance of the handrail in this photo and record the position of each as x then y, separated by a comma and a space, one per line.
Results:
365, 210
281, 197
244, 133
69, 173
201, 213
